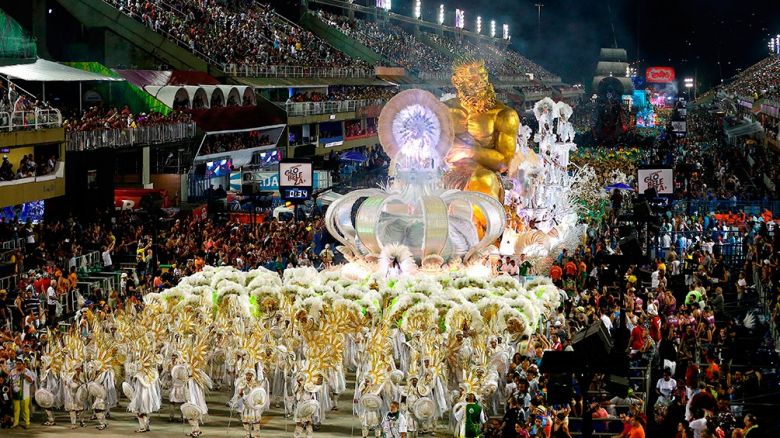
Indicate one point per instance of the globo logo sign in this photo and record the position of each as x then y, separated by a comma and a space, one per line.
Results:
659, 75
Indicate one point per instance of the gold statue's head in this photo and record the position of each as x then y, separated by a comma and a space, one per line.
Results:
472, 83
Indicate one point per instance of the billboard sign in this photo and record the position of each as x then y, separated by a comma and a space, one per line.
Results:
659, 179
659, 75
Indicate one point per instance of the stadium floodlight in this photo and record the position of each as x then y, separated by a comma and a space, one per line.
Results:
384, 4
492, 28
460, 17
505, 28
441, 14
417, 9
688, 82
479, 24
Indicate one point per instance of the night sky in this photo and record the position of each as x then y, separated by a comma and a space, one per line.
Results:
690, 35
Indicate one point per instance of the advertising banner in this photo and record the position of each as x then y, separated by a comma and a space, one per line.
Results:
662, 180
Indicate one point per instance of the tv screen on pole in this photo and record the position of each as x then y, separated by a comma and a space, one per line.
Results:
295, 180
659, 75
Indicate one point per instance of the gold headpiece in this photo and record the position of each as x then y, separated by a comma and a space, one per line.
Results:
472, 82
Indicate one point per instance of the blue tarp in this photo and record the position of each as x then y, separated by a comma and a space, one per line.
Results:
353, 156
619, 186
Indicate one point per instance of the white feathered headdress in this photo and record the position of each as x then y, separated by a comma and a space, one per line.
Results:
396, 259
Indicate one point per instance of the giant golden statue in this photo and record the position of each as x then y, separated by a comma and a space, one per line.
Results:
485, 132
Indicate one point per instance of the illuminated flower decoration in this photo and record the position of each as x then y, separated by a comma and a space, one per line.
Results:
414, 127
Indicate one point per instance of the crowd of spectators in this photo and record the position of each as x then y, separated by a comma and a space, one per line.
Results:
219, 143
23, 109
354, 128
760, 80
707, 167
99, 118
390, 41
344, 92
236, 32
500, 62
28, 167
535, 88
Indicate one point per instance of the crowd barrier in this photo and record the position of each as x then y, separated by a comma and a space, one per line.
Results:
12, 244
115, 138
329, 107
704, 206
288, 71
86, 262
34, 119
434, 75
9, 282
732, 251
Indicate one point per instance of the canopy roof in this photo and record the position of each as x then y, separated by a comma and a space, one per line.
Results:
47, 71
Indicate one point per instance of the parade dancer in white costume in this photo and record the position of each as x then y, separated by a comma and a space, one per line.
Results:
251, 413
306, 409
75, 394
409, 397
178, 393
146, 392
99, 404
365, 405
337, 384
50, 381
278, 374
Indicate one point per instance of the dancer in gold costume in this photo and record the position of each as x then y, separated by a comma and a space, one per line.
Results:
485, 132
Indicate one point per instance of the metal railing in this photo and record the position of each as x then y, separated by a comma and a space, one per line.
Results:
9, 283
86, 261
705, 206
34, 119
329, 107
116, 138
12, 244
434, 75
289, 71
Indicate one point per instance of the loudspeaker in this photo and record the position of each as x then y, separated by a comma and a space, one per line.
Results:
629, 246
559, 389
249, 189
593, 344
152, 202
616, 385
200, 170
555, 362
641, 210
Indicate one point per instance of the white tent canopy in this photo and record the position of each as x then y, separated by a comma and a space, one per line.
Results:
48, 71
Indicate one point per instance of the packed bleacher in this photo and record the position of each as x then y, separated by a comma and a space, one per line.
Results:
501, 62
97, 118
341, 93
240, 33
760, 80
390, 41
